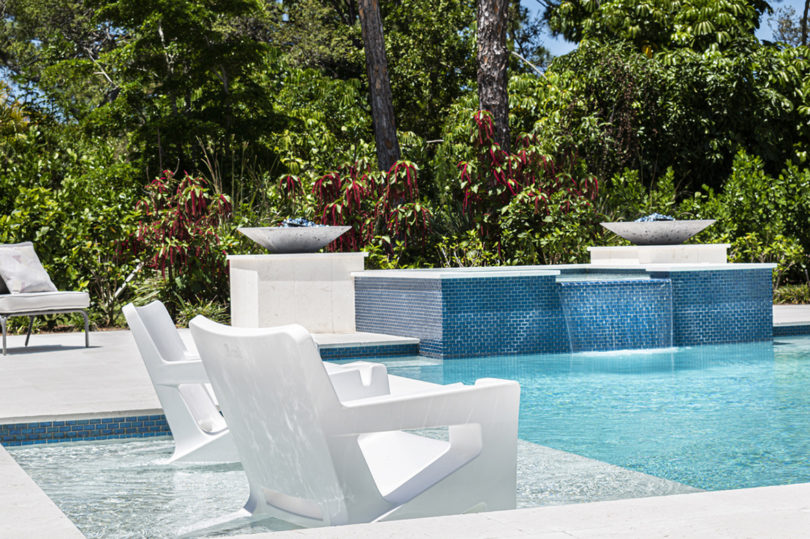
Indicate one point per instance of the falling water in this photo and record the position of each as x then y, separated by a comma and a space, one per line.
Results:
609, 312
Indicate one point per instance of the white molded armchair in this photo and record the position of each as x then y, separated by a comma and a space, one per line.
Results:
314, 460
199, 430
182, 386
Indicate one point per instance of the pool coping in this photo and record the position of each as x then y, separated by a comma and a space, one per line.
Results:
459, 273
552, 270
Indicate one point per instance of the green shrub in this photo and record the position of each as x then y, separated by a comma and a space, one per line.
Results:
785, 252
466, 250
792, 294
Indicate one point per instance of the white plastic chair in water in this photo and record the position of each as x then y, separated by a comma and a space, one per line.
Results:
200, 432
181, 383
314, 460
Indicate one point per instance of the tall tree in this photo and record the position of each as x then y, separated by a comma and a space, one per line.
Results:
379, 85
493, 57
653, 25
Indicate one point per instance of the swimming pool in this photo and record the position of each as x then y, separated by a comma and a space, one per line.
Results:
713, 417
709, 417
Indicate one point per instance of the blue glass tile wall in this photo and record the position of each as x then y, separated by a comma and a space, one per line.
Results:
465, 317
617, 315
787, 331
477, 316
84, 429
502, 315
404, 306
724, 306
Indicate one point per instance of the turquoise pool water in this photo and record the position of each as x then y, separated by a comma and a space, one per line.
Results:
712, 417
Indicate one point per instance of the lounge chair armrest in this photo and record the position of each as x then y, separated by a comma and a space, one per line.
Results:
487, 401
359, 380
173, 373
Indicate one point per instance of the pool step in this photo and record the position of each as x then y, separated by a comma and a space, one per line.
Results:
791, 320
335, 346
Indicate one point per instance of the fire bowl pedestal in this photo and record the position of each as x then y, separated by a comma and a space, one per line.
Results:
315, 290
631, 255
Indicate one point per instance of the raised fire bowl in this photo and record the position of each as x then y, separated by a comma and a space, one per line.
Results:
299, 239
658, 232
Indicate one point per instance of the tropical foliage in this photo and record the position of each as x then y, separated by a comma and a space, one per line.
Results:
135, 137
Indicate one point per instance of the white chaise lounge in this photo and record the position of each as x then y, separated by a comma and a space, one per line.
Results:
314, 460
26, 290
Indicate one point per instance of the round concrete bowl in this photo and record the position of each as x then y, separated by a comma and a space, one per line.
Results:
658, 232
298, 239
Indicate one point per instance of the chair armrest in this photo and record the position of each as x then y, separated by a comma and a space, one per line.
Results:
489, 400
358, 380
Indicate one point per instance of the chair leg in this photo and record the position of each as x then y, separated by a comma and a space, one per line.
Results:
3, 324
86, 330
30, 325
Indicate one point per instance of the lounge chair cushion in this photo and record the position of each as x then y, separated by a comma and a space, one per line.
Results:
21, 270
43, 301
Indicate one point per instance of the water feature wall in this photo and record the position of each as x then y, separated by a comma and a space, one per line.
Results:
494, 311
617, 315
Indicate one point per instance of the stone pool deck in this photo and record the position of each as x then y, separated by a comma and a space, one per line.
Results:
57, 378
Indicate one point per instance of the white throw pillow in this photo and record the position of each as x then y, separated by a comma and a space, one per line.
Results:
21, 270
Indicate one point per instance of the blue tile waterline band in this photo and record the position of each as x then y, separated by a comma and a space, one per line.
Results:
76, 430
791, 330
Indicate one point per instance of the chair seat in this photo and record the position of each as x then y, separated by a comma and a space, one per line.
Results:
395, 457
43, 301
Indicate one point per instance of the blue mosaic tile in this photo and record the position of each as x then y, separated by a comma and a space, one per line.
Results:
83, 429
464, 317
404, 307
501, 315
382, 350
723, 306
788, 331
617, 315
477, 316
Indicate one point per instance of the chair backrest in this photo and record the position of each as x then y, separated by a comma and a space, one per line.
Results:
161, 329
275, 394
188, 407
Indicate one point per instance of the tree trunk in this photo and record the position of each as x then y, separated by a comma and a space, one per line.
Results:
492, 59
803, 22
382, 108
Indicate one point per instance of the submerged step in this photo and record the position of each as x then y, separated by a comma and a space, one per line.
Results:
335, 346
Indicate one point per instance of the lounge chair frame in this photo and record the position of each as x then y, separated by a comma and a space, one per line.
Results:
31, 314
